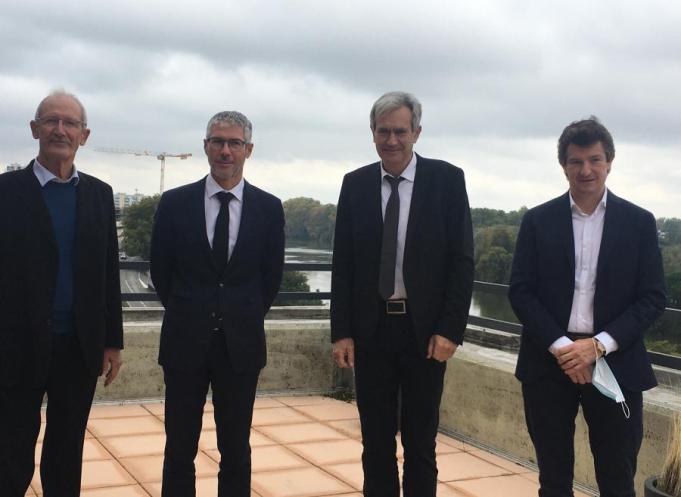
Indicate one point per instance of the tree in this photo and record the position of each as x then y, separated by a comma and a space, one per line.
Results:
295, 281
494, 246
137, 224
310, 221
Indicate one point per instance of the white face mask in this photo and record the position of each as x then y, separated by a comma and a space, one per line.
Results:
606, 383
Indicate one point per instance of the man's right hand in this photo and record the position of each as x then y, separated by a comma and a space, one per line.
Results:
582, 377
344, 352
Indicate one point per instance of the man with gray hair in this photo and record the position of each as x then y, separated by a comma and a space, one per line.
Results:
401, 288
217, 257
60, 302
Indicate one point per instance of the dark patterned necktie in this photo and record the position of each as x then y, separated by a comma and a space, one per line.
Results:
221, 233
386, 279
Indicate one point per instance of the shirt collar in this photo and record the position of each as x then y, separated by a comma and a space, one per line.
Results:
44, 175
601, 203
212, 188
409, 172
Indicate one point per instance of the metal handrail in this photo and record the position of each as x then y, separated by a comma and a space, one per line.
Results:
657, 358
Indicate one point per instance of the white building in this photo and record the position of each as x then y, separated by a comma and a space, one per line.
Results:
15, 166
123, 200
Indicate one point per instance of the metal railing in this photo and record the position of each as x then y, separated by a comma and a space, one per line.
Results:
657, 358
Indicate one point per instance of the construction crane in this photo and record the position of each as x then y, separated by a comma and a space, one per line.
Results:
160, 156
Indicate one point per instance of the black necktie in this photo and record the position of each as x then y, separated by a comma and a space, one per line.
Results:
386, 278
221, 233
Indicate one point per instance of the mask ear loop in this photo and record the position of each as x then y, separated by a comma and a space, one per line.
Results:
625, 410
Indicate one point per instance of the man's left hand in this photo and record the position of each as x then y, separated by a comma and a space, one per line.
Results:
111, 364
441, 348
577, 356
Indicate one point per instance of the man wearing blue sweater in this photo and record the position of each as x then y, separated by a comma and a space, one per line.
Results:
60, 302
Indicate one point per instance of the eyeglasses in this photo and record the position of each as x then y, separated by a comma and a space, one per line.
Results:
219, 143
53, 122
384, 133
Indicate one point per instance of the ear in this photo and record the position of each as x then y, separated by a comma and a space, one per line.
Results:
417, 133
34, 129
249, 150
86, 134
205, 146
565, 172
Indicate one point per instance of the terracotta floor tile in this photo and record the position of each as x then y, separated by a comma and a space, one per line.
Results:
461, 465
208, 420
350, 473
533, 476
277, 416
117, 411
96, 474
205, 487
209, 406
350, 427
499, 461
305, 400
127, 491
265, 402
135, 445
307, 482
155, 408
41, 433
101, 428
259, 440
305, 432
92, 451
30, 492
147, 469
208, 440
508, 486
444, 490
330, 411
453, 442
329, 452
275, 457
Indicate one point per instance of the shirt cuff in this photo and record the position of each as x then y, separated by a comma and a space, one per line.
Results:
608, 342
559, 344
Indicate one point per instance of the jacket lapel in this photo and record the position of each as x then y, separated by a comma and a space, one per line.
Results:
565, 231
246, 225
419, 194
197, 220
612, 227
36, 209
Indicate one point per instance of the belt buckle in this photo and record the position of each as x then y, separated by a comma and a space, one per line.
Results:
396, 306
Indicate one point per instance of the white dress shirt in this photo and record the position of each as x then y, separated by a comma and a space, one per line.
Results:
404, 190
44, 175
212, 208
587, 231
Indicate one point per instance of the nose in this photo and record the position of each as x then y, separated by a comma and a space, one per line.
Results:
392, 138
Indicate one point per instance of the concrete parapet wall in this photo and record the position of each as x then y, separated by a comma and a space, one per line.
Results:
482, 402
299, 360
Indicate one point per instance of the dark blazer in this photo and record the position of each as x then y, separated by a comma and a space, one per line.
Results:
28, 273
194, 292
438, 254
629, 296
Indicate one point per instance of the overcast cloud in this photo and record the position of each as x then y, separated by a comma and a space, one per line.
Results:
498, 81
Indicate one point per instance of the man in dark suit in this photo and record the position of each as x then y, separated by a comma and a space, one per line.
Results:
217, 256
586, 282
401, 288
60, 302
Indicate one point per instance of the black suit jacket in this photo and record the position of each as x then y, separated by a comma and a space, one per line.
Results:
28, 273
629, 295
438, 254
194, 292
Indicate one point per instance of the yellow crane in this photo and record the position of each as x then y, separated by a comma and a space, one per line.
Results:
160, 156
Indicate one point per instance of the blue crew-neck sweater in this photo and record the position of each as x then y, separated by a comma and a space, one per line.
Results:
60, 199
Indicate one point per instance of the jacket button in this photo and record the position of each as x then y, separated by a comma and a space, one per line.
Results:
222, 285
212, 314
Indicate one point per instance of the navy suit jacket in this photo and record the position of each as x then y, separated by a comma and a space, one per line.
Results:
629, 294
438, 254
194, 292
28, 275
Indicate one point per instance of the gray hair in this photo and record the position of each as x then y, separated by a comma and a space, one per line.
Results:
231, 118
392, 101
62, 93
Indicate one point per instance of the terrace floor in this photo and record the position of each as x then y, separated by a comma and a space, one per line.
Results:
301, 447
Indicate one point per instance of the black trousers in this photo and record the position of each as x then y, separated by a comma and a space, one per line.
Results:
390, 365
551, 405
70, 389
233, 397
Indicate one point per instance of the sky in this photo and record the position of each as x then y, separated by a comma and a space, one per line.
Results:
498, 80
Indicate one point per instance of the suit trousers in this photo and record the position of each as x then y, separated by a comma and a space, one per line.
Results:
551, 405
387, 367
233, 397
70, 390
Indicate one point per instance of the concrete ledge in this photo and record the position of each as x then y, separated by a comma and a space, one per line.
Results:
482, 401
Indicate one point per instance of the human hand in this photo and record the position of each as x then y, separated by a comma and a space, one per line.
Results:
441, 348
344, 352
581, 377
111, 365
577, 357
